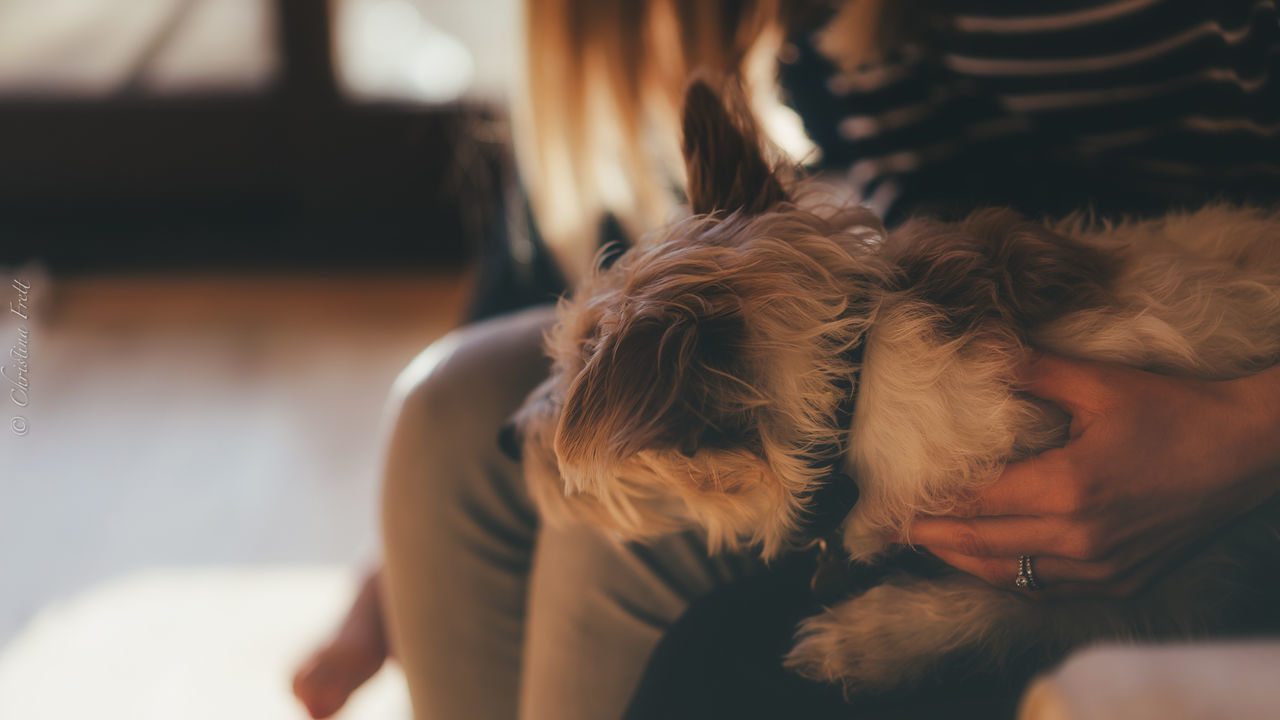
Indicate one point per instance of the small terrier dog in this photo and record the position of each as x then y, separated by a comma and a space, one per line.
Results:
713, 375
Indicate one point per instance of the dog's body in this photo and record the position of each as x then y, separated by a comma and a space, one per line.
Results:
696, 380
1195, 294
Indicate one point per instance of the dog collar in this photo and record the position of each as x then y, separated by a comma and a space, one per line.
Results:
838, 493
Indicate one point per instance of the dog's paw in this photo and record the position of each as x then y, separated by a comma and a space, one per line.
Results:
863, 542
839, 649
893, 635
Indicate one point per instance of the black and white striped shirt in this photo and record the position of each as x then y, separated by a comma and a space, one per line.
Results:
1051, 106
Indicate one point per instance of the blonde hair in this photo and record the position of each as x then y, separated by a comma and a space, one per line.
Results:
597, 115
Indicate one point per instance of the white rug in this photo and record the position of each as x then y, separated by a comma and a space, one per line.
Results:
185, 643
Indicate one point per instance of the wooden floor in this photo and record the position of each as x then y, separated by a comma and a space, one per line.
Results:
200, 421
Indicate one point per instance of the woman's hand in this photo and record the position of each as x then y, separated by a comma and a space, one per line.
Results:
1154, 465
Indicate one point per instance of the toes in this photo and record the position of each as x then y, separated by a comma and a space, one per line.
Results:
325, 681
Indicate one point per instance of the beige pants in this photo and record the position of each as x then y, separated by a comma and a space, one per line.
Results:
490, 614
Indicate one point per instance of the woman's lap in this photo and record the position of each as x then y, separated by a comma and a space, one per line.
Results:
491, 614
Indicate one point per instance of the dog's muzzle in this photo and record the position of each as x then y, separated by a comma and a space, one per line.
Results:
509, 440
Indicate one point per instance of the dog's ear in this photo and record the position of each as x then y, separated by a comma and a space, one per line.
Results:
998, 265
725, 164
657, 383
528, 438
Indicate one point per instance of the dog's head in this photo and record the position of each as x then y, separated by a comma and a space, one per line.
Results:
697, 378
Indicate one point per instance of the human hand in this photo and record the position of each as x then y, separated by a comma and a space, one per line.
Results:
1154, 464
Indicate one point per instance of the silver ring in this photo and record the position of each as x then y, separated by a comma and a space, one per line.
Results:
1026, 579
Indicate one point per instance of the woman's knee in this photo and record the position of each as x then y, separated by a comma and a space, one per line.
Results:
448, 404
473, 378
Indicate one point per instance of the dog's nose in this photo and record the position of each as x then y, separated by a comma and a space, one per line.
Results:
509, 440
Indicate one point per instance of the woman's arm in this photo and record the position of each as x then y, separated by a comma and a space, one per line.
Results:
1154, 464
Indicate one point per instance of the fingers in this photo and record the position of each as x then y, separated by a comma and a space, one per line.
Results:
1058, 577
1070, 384
1124, 572
1085, 512
1041, 485
1001, 537
1072, 538
1058, 481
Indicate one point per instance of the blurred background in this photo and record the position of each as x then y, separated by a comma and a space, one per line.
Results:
225, 226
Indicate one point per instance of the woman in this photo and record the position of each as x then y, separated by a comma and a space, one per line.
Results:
1125, 106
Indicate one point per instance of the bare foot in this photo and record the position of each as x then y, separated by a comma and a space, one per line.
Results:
327, 678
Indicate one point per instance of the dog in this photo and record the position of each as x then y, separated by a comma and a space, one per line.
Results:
726, 372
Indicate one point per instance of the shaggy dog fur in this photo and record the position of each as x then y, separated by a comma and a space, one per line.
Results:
696, 379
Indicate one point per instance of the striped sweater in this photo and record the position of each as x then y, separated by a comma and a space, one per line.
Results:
1128, 106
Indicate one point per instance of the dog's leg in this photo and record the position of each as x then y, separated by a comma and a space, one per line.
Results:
893, 635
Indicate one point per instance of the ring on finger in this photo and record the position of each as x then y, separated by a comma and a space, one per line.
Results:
1026, 577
